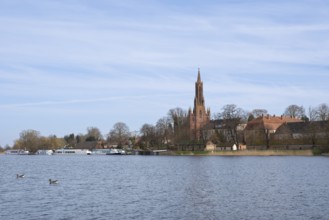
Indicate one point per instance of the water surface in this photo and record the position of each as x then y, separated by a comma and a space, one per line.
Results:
164, 187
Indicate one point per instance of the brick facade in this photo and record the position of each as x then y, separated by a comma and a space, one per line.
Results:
199, 117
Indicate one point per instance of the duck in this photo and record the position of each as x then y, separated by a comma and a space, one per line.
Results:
53, 181
20, 176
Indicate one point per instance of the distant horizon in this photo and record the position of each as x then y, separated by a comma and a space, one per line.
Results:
67, 66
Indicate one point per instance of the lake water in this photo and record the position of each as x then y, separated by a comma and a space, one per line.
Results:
164, 187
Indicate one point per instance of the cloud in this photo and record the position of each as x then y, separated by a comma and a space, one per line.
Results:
93, 56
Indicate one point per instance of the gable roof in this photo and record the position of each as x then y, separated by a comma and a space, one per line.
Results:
303, 127
297, 127
270, 122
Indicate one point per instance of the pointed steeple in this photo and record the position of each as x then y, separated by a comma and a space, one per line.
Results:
200, 116
199, 77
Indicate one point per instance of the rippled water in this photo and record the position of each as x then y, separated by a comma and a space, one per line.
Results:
161, 187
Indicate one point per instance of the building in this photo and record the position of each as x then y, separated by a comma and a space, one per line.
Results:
220, 133
259, 131
199, 117
302, 135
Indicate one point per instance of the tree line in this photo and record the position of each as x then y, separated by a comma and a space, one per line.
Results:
167, 132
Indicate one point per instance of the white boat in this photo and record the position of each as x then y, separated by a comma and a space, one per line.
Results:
17, 152
116, 152
44, 152
64, 151
101, 151
108, 152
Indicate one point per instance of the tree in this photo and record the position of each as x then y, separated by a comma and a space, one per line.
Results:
79, 138
322, 112
93, 134
7, 147
70, 140
295, 111
29, 140
51, 142
312, 115
259, 112
250, 117
232, 116
164, 129
148, 133
267, 135
119, 134
179, 120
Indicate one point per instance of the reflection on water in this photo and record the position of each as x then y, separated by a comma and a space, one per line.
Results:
153, 187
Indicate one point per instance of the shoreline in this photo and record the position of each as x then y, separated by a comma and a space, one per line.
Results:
239, 153
243, 153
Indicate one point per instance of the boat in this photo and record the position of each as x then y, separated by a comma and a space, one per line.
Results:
17, 152
108, 152
64, 151
116, 152
101, 151
44, 152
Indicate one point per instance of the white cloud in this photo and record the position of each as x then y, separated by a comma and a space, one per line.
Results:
68, 56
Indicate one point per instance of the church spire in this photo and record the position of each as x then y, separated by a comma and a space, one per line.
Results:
200, 116
199, 77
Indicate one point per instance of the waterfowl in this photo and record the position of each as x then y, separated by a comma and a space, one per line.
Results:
53, 181
20, 175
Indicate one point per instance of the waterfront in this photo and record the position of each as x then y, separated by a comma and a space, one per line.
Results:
164, 187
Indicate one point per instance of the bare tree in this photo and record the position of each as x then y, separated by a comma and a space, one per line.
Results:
178, 116
93, 134
295, 111
148, 133
322, 112
119, 134
312, 115
164, 129
259, 112
233, 116
179, 120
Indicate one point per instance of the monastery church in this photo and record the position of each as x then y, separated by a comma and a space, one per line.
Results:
199, 117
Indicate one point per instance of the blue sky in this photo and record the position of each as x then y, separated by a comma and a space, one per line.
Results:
66, 65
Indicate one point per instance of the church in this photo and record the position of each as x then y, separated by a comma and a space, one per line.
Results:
199, 117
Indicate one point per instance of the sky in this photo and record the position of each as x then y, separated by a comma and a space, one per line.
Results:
66, 65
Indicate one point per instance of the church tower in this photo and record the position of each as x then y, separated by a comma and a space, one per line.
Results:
200, 116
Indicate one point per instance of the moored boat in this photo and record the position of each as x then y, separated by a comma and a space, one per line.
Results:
108, 152
44, 152
17, 152
64, 151
116, 152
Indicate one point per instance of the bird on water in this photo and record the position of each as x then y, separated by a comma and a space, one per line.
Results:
53, 181
20, 176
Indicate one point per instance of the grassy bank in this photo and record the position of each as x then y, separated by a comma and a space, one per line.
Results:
246, 153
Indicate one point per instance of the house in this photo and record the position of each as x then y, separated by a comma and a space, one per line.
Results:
220, 133
302, 135
258, 132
